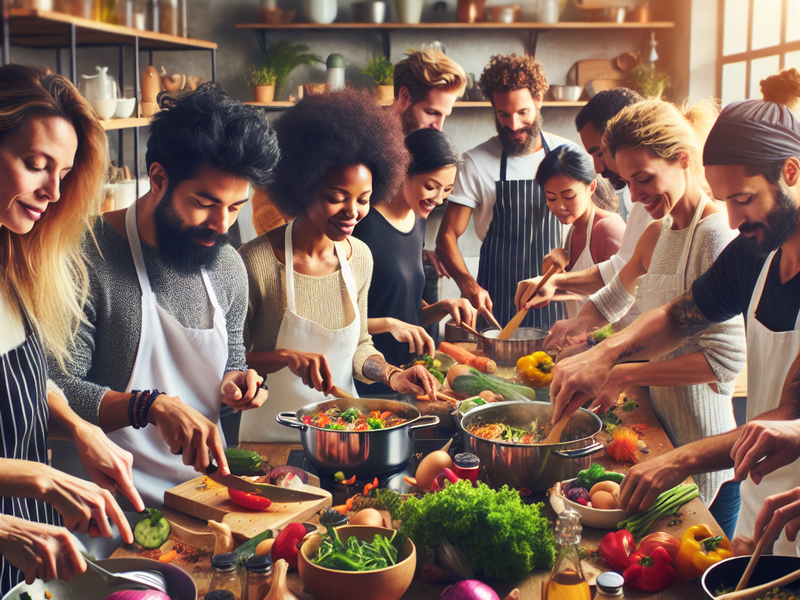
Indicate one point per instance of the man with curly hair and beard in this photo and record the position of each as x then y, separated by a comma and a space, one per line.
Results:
496, 187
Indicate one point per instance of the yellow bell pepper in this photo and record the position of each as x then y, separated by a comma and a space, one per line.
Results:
699, 550
536, 370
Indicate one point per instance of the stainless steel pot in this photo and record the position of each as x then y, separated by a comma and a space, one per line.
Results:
532, 466
359, 453
524, 341
369, 12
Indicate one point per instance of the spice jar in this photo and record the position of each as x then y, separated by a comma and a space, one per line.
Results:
609, 585
225, 575
259, 577
169, 15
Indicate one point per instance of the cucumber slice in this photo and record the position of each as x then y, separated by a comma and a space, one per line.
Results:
153, 530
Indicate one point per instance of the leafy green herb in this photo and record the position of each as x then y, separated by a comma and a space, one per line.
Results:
630, 405
610, 419
354, 555
374, 423
502, 537
350, 415
381, 70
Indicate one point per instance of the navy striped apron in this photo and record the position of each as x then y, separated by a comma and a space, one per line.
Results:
24, 416
522, 232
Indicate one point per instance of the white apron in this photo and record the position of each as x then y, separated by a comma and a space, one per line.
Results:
182, 362
584, 261
286, 390
673, 405
770, 354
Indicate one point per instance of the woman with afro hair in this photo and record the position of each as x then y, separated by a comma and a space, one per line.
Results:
306, 322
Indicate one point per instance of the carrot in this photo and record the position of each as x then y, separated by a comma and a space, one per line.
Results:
409, 480
340, 508
482, 363
168, 556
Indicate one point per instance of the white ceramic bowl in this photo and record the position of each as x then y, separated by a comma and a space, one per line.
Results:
125, 108
569, 93
591, 517
104, 107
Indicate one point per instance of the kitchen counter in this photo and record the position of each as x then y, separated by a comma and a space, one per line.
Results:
692, 513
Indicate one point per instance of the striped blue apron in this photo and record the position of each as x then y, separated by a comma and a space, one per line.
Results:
24, 414
522, 232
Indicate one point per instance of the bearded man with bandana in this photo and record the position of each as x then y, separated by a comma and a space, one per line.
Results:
496, 187
752, 163
162, 341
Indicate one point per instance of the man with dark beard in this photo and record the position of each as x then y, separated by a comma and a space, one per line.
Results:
752, 163
496, 187
162, 342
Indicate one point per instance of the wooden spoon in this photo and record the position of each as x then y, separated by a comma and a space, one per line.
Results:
751, 565
470, 329
340, 393
554, 437
760, 589
515, 321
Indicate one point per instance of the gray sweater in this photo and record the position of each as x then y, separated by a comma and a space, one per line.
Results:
105, 347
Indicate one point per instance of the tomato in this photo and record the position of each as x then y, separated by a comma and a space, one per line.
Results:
660, 538
251, 501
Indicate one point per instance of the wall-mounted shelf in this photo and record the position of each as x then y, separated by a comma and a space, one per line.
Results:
114, 124
482, 25
286, 104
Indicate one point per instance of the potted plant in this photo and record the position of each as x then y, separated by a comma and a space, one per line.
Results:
649, 81
263, 81
381, 70
284, 57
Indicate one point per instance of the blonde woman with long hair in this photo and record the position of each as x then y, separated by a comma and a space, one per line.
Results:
53, 154
658, 150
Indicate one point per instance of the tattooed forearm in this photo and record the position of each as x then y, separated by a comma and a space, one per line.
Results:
791, 397
688, 316
375, 369
631, 350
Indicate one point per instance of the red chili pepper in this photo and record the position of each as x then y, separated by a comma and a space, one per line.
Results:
370, 486
385, 415
616, 549
350, 481
287, 544
349, 503
445, 475
251, 501
375, 414
650, 573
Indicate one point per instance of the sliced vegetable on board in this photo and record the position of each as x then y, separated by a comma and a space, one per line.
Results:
249, 501
699, 550
153, 530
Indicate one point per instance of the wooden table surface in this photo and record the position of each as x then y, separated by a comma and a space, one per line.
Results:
692, 513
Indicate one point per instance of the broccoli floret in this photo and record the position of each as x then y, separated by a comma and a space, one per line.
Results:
350, 415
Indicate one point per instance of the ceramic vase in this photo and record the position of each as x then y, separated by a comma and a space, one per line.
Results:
264, 93
321, 12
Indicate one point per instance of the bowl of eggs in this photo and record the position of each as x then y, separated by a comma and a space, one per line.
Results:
602, 508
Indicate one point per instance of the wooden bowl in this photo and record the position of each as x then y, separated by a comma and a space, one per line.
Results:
382, 584
270, 16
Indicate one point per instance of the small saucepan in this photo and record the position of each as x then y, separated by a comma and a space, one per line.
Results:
524, 341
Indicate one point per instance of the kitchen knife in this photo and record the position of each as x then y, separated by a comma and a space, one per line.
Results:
265, 490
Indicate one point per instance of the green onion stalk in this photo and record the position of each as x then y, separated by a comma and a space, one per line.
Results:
666, 504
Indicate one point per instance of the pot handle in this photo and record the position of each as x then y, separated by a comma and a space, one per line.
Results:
434, 420
289, 419
581, 452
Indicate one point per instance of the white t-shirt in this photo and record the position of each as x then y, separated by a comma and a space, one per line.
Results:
638, 220
475, 184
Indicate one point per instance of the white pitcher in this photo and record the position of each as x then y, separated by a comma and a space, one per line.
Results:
321, 12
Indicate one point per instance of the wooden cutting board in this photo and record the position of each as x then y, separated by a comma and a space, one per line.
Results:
597, 68
215, 504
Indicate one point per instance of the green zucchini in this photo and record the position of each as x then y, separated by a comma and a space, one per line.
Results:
244, 462
153, 530
248, 549
476, 382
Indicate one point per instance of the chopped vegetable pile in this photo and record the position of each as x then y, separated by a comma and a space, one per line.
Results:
353, 419
500, 432
502, 537
357, 556
776, 593
433, 365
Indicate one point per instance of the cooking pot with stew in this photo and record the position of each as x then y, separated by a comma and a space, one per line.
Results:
530, 465
365, 453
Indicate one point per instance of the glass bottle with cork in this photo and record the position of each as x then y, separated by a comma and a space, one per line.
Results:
567, 581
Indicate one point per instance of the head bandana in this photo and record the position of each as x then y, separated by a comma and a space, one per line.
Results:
430, 150
751, 132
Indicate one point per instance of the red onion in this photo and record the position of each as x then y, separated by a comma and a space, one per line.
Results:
470, 589
138, 595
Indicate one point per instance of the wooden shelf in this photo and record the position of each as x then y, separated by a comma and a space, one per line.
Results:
482, 25
287, 104
49, 29
128, 123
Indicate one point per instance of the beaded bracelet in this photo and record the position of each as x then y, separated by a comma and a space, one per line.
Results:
145, 406
131, 406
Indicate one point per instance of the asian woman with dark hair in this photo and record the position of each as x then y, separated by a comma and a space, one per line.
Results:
569, 181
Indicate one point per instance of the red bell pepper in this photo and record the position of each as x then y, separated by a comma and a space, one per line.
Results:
370, 486
616, 549
287, 544
650, 573
251, 501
